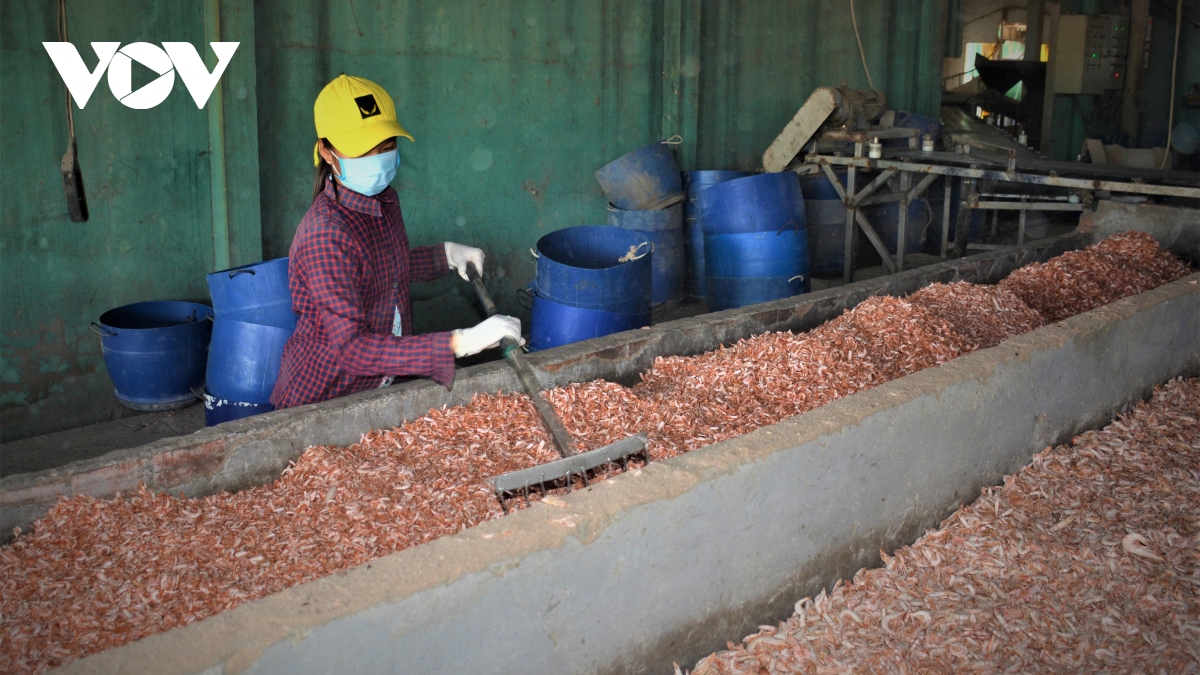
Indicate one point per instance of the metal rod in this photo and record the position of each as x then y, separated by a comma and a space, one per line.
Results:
1030, 206
920, 189
1021, 224
873, 186
902, 224
962, 226
947, 183
1018, 177
848, 261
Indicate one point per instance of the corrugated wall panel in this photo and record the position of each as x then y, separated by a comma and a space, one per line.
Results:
514, 104
146, 176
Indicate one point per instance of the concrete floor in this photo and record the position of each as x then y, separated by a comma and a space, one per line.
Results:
49, 451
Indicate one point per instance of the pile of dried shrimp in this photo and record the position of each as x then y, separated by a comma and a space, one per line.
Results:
93, 574
1087, 560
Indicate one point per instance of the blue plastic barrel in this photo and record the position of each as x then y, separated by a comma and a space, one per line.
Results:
663, 228
647, 178
259, 286
729, 293
218, 410
155, 352
553, 324
753, 267
694, 182
243, 360
582, 267
766, 202
826, 216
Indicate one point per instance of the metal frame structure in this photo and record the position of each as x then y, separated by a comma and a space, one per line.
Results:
990, 162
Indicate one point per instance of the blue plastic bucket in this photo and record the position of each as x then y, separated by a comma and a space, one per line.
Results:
647, 178
581, 267
694, 183
728, 293
218, 410
260, 286
243, 360
753, 267
663, 228
826, 216
553, 324
763, 203
155, 352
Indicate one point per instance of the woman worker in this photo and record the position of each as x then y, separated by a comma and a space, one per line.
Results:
351, 264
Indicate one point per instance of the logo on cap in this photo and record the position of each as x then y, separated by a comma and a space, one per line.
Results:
367, 107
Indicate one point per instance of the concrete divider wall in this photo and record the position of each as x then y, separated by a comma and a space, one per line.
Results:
254, 451
1176, 228
666, 563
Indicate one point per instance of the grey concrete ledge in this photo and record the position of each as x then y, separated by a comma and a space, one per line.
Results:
666, 563
253, 451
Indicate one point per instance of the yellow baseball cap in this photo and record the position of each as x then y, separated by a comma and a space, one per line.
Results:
355, 115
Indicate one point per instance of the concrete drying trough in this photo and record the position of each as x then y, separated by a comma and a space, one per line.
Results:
648, 567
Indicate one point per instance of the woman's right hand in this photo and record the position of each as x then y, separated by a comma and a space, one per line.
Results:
485, 335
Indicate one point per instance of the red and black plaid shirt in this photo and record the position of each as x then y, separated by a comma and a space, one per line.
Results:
349, 272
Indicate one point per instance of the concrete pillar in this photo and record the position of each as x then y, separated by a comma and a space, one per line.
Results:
1033, 31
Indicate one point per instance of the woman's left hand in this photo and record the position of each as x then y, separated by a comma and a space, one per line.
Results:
458, 255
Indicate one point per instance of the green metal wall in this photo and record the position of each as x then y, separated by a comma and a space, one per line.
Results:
514, 105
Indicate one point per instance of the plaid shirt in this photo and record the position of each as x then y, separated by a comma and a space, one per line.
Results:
349, 273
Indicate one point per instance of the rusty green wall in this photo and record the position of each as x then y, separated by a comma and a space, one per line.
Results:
514, 105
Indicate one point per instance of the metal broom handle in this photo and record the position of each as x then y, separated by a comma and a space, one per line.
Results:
516, 358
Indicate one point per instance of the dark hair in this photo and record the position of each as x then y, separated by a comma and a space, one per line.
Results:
324, 171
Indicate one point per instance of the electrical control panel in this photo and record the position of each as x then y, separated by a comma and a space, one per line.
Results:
1091, 54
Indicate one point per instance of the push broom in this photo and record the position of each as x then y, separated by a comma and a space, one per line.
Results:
572, 462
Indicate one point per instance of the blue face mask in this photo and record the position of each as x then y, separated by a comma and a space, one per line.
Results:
369, 175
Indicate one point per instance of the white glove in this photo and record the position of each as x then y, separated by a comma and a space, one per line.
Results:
457, 256
468, 341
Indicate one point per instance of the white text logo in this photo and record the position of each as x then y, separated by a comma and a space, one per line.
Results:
172, 57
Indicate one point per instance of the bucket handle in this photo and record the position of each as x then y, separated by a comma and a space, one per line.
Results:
102, 331
534, 253
197, 393
633, 252
674, 140
234, 273
798, 276
525, 298
784, 227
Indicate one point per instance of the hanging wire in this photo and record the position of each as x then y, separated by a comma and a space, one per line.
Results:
861, 53
62, 37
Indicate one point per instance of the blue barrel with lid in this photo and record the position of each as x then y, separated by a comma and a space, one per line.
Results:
752, 267
155, 352
695, 182
261, 286
596, 267
663, 228
647, 178
554, 324
245, 354
766, 202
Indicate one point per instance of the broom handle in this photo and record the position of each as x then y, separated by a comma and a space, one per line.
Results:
516, 359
